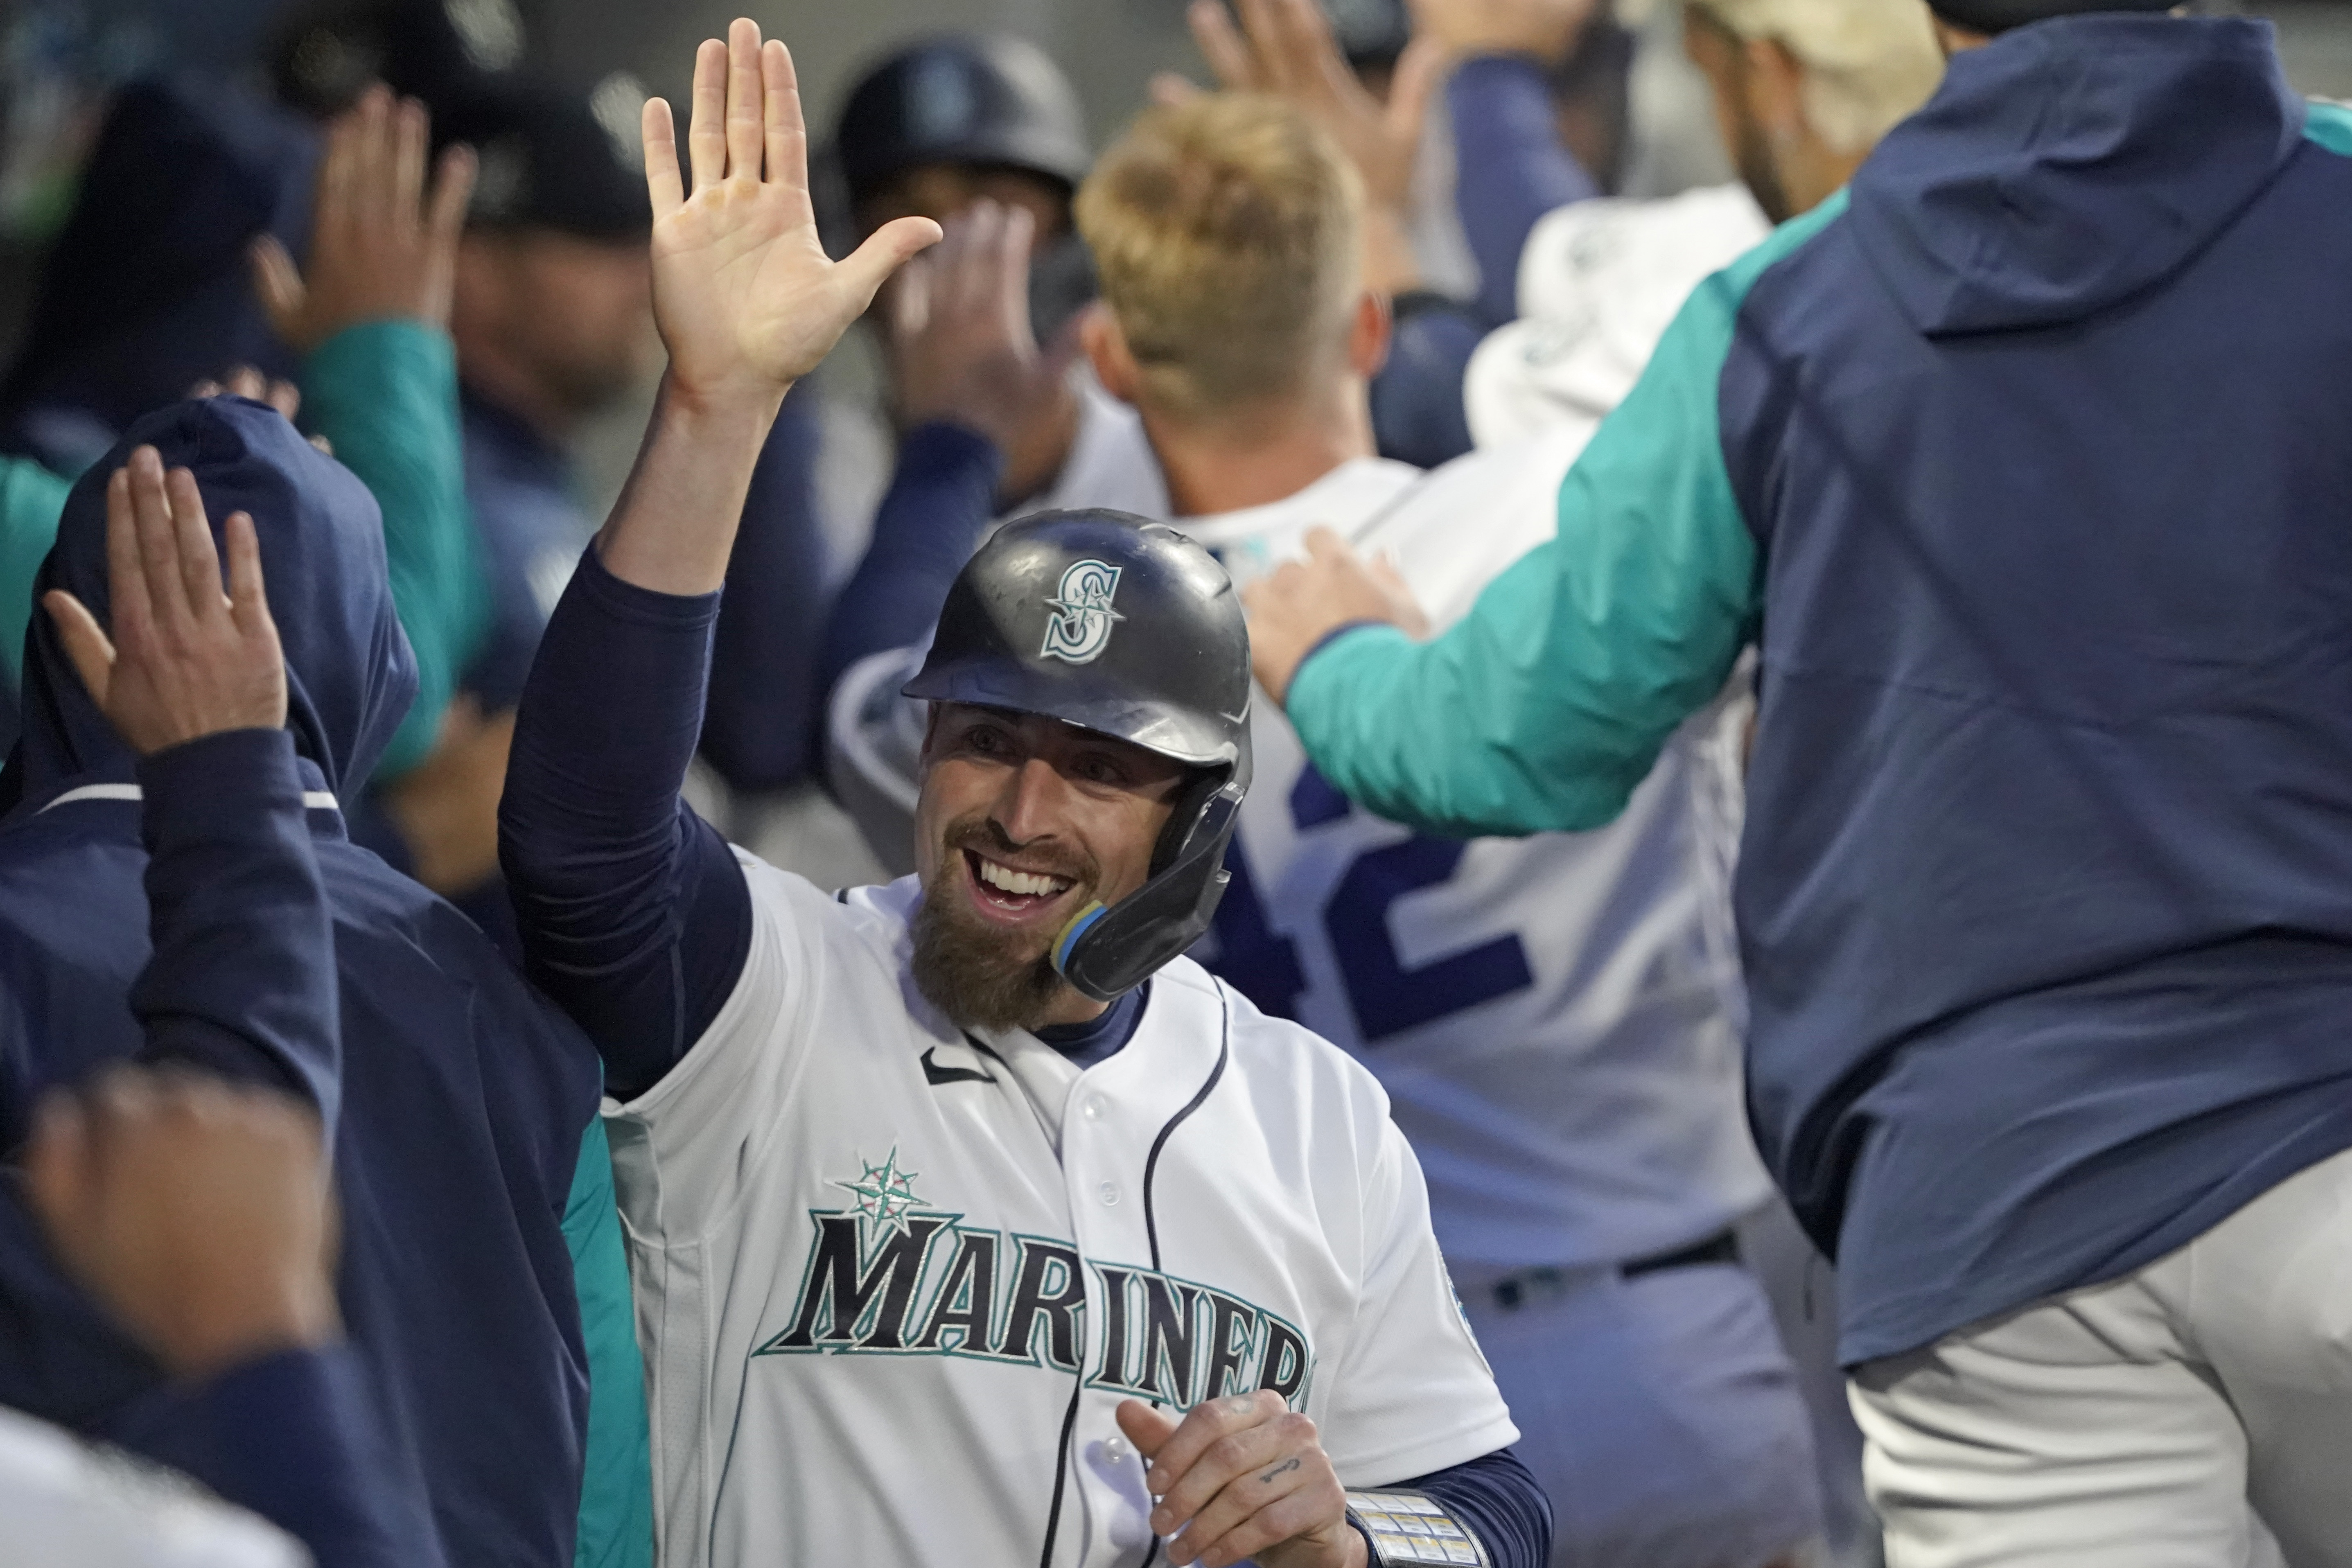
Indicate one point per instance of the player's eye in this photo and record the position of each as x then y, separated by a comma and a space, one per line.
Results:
1101, 770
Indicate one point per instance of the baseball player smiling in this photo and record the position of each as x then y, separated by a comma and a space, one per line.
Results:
970, 1221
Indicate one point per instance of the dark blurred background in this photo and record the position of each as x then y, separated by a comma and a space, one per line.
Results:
59, 60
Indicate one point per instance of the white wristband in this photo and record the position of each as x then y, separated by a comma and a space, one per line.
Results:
1412, 1528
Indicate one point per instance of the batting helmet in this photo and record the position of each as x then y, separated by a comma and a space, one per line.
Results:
1127, 628
961, 98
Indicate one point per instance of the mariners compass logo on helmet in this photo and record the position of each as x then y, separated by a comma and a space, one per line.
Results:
1080, 628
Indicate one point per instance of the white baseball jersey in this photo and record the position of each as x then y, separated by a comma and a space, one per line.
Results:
1599, 281
1549, 1015
893, 1279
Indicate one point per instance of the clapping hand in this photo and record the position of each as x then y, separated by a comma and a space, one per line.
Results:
1243, 1477
199, 1211
746, 300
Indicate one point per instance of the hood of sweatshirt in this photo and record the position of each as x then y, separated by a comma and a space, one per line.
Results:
2067, 165
349, 674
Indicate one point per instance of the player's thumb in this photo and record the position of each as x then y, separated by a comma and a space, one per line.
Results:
86, 645
886, 250
280, 285
1145, 1427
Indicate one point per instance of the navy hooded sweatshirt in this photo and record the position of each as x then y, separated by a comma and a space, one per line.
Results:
456, 1106
2028, 465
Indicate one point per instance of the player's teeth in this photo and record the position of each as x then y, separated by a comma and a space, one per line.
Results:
1012, 881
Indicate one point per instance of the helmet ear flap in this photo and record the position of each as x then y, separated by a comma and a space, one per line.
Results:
1104, 952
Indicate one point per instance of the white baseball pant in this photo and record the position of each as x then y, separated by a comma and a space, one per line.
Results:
2162, 1420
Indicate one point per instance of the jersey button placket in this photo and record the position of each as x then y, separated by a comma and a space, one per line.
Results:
1108, 1192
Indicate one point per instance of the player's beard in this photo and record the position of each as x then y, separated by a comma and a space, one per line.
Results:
979, 975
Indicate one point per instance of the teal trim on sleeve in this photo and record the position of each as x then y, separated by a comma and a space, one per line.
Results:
32, 499
617, 1481
384, 395
2330, 124
1546, 705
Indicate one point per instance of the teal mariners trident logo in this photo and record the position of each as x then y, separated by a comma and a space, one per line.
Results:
1080, 628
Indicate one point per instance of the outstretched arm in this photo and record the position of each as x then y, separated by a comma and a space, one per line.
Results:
371, 315
1547, 704
633, 916
243, 980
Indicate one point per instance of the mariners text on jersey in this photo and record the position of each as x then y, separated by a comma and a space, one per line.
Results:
884, 1277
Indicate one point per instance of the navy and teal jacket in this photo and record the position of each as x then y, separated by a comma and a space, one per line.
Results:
2027, 463
244, 958
455, 1103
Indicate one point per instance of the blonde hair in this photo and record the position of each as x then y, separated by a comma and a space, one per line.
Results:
1868, 63
1227, 232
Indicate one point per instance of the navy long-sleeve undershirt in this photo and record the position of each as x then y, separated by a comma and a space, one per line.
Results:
764, 713
634, 915
1511, 168
942, 494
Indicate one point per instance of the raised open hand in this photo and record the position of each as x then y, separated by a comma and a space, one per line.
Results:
746, 301
1286, 47
185, 660
963, 349
381, 246
1547, 29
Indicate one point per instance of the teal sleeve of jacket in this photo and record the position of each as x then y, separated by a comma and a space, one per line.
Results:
384, 395
616, 1482
32, 499
1545, 706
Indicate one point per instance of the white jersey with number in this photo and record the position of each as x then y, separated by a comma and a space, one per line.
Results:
1550, 1015
893, 1279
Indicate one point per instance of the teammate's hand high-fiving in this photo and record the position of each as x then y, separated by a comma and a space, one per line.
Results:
746, 301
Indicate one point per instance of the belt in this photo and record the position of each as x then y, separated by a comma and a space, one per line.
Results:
1518, 1289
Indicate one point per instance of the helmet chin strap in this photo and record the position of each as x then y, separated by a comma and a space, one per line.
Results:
1106, 951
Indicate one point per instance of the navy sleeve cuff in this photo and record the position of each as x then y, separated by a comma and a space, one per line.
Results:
186, 800
942, 447
641, 606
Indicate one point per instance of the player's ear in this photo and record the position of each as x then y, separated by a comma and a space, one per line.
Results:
1368, 334
1105, 349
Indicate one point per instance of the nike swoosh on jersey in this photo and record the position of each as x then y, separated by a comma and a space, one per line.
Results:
935, 1073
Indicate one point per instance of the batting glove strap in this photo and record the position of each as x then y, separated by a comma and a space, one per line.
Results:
1411, 1528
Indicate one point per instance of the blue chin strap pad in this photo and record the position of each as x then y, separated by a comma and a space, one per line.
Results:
1106, 951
